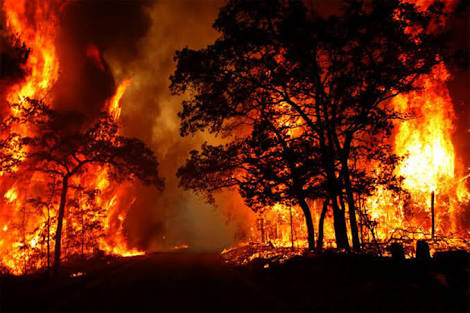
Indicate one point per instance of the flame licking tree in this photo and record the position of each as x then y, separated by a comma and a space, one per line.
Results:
55, 163
430, 166
310, 104
67, 156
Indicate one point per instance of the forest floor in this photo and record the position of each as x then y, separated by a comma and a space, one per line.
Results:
203, 282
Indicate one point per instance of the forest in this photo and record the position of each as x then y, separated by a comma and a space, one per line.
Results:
256, 140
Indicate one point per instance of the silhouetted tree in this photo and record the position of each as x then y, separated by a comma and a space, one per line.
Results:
66, 152
268, 167
332, 75
321, 222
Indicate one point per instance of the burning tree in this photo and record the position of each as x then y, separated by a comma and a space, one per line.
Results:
13, 56
330, 78
37, 146
66, 152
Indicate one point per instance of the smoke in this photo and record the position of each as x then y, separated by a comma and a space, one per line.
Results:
86, 29
459, 84
102, 43
186, 218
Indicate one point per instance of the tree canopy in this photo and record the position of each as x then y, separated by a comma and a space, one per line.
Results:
64, 150
304, 97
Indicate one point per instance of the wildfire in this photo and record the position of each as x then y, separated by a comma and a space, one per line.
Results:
429, 166
36, 26
28, 229
180, 247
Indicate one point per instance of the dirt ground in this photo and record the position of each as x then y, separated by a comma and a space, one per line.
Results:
198, 282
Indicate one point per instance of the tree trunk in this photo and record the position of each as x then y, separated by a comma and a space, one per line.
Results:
83, 236
308, 220
60, 220
82, 232
339, 223
48, 238
291, 227
49, 203
352, 208
320, 225
23, 235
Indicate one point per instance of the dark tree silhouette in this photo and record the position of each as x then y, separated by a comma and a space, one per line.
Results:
268, 167
332, 76
65, 152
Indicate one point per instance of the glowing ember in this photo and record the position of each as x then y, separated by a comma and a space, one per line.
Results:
180, 247
77, 274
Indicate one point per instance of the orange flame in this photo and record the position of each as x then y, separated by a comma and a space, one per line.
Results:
28, 227
42, 66
114, 105
429, 165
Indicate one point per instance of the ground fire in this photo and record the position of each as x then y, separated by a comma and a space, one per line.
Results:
309, 134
